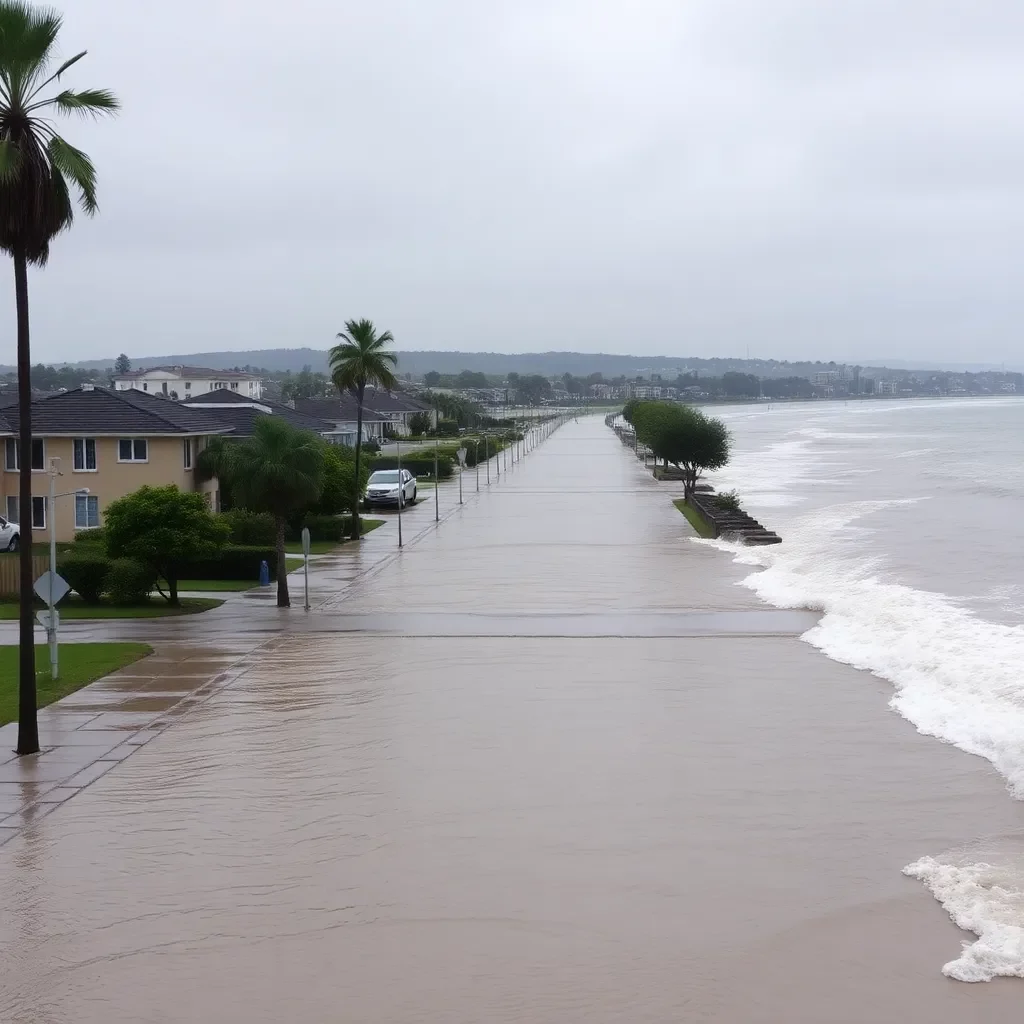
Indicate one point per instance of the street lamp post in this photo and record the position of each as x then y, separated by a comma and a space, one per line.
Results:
437, 507
461, 453
487, 458
476, 461
401, 489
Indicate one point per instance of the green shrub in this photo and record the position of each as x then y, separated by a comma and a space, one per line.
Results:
234, 562
86, 572
325, 528
129, 581
92, 538
728, 501
419, 464
250, 528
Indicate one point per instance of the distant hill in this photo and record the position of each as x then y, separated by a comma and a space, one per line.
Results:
550, 364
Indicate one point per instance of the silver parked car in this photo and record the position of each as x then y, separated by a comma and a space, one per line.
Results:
384, 488
10, 535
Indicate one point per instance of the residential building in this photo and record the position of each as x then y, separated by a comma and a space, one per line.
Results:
886, 387
108, 441
385, 414
241, 413
184, 382
340, 416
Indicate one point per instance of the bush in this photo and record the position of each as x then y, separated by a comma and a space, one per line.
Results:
92, 538
728, 501
234, 562
250, 529
86, 572
325, 528
420, 464
129, 581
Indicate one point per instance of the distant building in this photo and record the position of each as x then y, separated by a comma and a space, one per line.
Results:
886, 387
1008, 386
184, 382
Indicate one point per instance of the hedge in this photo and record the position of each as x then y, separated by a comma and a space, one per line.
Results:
129, 581
250, 529
235, 562
419, 464
321, 528
86, 572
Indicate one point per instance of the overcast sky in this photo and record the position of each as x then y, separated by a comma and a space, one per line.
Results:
836, 179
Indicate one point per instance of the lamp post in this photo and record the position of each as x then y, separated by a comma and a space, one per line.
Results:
476, 460
487, 458
401, 490
461, 453
437, 507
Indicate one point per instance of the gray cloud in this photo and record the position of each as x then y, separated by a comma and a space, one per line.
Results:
838, 179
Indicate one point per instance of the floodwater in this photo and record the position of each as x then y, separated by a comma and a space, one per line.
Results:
516, 772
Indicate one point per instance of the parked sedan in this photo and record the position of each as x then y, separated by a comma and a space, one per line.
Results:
10, 535
384, 488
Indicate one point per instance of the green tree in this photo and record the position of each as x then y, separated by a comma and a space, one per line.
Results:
165, 529
684, 437
419, 423
340, 481
279, 470
358, 361
432, 378
38, 169
122, 364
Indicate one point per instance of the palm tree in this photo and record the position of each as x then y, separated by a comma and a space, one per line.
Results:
356, 362
279, 470
37, 170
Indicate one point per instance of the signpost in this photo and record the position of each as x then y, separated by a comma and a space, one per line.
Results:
51, 588
305, 556
461, 453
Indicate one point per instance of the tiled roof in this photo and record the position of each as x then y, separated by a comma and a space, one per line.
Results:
335, 410
383, 401
198, 372
92, 411
242, 412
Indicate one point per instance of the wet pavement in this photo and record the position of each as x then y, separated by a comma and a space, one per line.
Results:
545, 763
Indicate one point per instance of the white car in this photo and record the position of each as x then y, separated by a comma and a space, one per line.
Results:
10, 535
384, 488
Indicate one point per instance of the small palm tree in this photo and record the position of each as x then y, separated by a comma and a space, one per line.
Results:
358, 361
279, 470
38, 169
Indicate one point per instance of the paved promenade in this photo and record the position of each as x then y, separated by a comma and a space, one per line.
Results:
546, 763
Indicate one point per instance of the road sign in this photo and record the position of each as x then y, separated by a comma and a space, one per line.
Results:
462, 456
44, 619
305, 541
51, 587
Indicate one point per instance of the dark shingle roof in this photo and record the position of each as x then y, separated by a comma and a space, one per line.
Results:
91, 411
383, 401
341, 409
242, 412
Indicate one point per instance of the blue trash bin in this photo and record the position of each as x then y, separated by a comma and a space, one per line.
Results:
264, 574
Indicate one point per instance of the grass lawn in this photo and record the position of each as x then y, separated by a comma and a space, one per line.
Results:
221, 586
79, 664
74, 608
695, 519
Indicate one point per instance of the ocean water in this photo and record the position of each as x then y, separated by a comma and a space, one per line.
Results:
903, 523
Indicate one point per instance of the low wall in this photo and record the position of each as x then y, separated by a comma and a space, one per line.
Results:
10, 572
730, 524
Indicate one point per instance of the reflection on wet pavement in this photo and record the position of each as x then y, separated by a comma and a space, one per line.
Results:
547, 763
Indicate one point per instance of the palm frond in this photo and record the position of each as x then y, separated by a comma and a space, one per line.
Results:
74, 164
27, 36
60, 71
10, 161
87, 102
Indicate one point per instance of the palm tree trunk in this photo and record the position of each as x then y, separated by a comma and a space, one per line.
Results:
357, 526
283, 600
28, 727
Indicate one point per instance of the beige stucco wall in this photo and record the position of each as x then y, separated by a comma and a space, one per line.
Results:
110, 480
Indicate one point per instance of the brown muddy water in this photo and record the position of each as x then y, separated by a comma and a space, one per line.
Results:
559, 790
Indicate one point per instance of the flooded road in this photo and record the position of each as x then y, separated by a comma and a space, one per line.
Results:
520, 771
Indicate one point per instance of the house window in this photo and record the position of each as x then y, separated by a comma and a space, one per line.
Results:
145, 387
132, 449
187, 449
11, 453
12, 509
85, 454
234, 385
188, 385
87, 511
38, 513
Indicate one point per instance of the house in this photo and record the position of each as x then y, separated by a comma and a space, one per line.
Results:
384, 414
241, 413
111, 442
340, 414
184, 382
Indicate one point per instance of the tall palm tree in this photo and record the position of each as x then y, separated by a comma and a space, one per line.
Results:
279, 470
358, 361
38, 169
